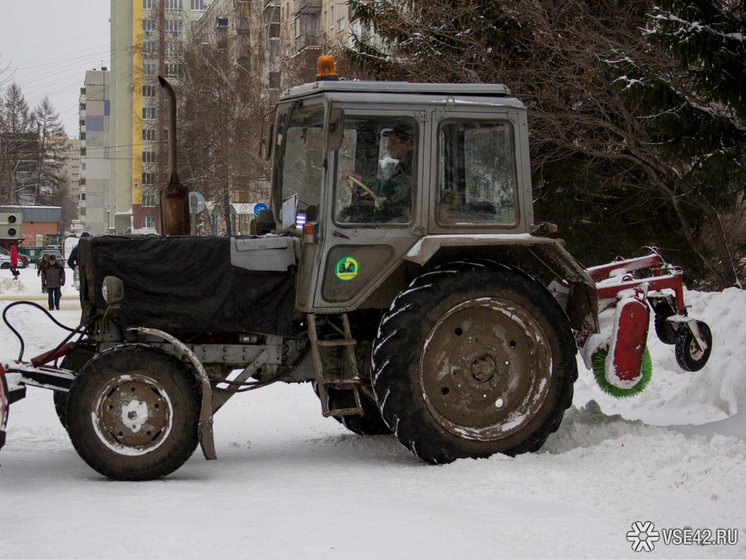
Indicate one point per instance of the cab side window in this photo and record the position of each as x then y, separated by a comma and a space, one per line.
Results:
376, 171
476, 173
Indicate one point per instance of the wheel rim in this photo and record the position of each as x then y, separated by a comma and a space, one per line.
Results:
132, 414
695, 354
485, 369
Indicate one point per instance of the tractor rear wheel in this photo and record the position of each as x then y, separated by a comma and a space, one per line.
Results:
370, 423
472, 359
132, 413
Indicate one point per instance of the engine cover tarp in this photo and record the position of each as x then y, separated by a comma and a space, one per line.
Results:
184, 285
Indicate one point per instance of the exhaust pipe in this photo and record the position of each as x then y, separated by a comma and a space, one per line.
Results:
174, 198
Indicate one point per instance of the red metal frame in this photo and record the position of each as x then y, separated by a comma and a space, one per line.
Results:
664, 277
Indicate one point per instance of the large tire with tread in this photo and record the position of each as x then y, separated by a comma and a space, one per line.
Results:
132, 414
370, 423
72, 362
474, 358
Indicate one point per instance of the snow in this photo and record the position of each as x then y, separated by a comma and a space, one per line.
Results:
290, 484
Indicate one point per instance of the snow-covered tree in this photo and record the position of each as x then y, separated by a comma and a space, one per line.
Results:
694, 108
595, 160
51, 136
18, 147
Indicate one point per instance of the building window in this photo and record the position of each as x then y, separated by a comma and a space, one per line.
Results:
148, 222
148, 26
148, 91
173, 70
149, 69
148, 48
340, 25
173, 48
147, 4
274, 80
198, 5
148, 157
148, 200
148, 135
148, 179
174, 26
148, 113
82, 196
173, 5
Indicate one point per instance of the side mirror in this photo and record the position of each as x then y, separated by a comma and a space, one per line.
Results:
336, 130
266, 146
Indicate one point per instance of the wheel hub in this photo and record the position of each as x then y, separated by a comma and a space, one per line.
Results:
132, 414
485, 368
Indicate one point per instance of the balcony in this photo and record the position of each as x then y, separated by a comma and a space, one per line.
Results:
305, 40
307, 6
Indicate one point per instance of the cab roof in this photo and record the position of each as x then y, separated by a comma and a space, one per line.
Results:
383, 87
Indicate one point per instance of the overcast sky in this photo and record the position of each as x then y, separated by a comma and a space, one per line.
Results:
46, 46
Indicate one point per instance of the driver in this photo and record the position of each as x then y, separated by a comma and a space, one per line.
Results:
397, 189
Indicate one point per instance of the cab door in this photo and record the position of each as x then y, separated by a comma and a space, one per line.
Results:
373, 206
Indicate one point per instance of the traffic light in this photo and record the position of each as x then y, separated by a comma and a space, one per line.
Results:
10, 226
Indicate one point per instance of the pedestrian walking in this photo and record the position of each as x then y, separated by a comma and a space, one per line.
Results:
55, 278
73, 260
14, 262
42, 263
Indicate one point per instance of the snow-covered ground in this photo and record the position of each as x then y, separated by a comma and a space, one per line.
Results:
290, 484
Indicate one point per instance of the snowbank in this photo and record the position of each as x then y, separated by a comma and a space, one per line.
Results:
290, 484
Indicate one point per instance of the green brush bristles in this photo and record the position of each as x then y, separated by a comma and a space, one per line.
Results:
599, 371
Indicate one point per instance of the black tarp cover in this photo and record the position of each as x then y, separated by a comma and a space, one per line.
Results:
184, 285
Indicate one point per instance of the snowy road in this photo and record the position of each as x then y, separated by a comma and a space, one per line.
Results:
290, 484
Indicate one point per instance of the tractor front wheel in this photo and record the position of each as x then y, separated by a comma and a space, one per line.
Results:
132, 413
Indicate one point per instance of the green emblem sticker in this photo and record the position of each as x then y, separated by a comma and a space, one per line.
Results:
347, 268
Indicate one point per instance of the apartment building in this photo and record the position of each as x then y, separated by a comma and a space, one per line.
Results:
145, 42
70, 168
146, 38
95, 154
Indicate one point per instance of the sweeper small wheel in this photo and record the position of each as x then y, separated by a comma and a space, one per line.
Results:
689, 355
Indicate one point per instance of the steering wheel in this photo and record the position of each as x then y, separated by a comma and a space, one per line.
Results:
378, 201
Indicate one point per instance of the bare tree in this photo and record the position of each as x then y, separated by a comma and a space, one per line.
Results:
222, 106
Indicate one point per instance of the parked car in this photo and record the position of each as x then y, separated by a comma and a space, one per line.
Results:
50, 252
23, 260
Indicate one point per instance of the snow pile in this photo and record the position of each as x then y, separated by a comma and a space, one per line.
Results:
11, 286
678, 397
290, 484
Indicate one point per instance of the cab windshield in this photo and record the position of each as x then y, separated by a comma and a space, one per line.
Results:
299, 157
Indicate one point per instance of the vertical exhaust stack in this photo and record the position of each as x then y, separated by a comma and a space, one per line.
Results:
174, 198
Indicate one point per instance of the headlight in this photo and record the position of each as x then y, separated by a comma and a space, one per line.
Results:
113, 291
